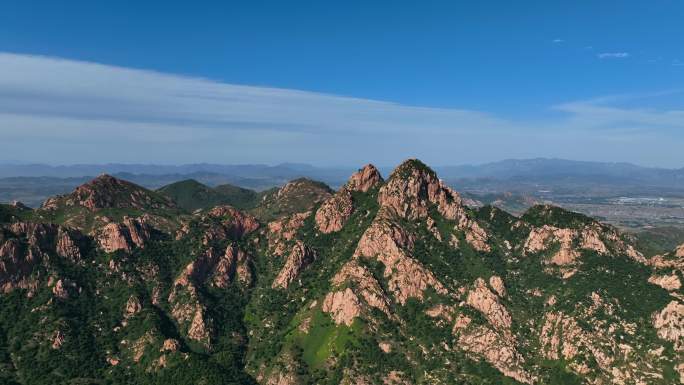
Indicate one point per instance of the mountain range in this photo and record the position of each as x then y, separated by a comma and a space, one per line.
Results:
380, 281
32, 183
505, 169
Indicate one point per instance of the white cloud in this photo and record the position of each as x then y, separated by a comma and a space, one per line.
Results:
558, 41
64, 111
613, 55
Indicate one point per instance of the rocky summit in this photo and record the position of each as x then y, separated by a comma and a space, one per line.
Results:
384, 281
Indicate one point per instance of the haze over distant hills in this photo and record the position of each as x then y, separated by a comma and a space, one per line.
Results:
593, 188
560, 168
511, 168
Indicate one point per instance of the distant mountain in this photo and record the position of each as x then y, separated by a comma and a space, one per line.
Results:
559, 169
540, 168
192, 195
526, 177
283, 172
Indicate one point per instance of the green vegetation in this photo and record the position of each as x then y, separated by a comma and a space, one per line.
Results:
192, 195
239, 197
659, 240
297, 196
10, 213
406, 168
254, 331
540, 215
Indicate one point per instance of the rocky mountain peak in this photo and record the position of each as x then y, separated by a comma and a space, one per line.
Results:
106, 192
296, 196
412, 166
332, 215
364, 179
413, 186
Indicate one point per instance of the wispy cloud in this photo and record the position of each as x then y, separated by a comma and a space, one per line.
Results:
558, 41
64, 111
613, 55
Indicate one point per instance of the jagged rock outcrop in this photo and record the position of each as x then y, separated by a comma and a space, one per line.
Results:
298, 259
190, 315
14, 266
498, 285
494, 342
60, 290
221, 223
343, 306
283, 230
596, 343
680, 251
334, 212
365, 293
668, 261
364, 179
669, 324
133, 306
540, 239
667, 282
487, 303
234, 263
496, 348
24, 246
199, 330
214, 268
390, 244
571, 242
591, 236
127, 235
236, 223
57, 339
413, 187
170, 345
69, 244
210, 268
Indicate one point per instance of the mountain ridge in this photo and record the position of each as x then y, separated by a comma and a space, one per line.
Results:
382, 281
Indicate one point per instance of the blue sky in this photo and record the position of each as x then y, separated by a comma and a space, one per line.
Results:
338, 83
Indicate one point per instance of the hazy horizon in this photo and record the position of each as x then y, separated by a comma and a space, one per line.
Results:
323, 166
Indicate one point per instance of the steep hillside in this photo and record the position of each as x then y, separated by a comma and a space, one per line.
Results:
192, 195
238, 196
297, 196
106, 199
391, 281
